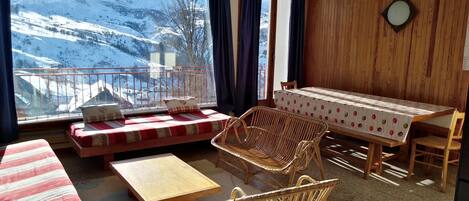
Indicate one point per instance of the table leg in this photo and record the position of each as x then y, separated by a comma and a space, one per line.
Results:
378, 159
130, 194
369, 160
404, 152
106, 160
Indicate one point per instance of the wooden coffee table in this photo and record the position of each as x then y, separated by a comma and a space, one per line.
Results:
163, 177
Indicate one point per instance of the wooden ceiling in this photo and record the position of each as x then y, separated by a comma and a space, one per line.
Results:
350, 46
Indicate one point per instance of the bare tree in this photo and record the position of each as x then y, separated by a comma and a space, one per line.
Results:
188, 21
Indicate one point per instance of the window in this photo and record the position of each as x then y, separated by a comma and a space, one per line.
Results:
263, 50
67, 54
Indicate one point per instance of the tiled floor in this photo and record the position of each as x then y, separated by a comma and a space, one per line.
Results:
388, 186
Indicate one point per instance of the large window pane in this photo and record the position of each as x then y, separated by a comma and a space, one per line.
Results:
263, 49
70, 53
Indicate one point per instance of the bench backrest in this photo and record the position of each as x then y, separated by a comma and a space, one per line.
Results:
311, 191
289, 130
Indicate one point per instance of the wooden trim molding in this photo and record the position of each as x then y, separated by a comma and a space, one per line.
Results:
271, 48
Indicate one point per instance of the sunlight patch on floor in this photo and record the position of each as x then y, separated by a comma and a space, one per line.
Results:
426, 182
344, 164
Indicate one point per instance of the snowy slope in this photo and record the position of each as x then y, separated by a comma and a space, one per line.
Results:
86, 33
91, 33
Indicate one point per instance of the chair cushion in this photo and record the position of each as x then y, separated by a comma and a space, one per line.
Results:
182, 105
437, 142
97, 113
31, 171
142, 128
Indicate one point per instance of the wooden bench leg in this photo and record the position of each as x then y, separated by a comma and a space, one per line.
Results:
369, 160
410, 171
130, 194
107, 159
247, 173
403, 155
318, 161
378, 159
291, 180
219, 158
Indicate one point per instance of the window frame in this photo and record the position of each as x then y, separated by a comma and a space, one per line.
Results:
268, 101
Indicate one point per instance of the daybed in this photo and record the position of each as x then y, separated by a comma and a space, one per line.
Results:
109, 137
31, 171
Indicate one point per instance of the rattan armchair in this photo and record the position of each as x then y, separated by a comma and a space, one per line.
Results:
272, 140
311, 191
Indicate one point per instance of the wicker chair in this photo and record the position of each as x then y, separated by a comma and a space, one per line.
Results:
288, 85
311, 191
272, 140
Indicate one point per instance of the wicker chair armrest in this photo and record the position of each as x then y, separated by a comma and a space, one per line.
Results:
303, 154
237, 192
219, 137
306, 178
232, 123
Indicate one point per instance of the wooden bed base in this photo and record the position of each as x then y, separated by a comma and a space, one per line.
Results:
108, 151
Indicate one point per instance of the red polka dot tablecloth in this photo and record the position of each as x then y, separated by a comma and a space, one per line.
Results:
385, 117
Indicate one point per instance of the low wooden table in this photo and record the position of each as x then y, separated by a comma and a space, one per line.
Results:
163, 177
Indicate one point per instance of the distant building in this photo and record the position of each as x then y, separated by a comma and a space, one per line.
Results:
165, 59
100, 93
162, 62
33, 92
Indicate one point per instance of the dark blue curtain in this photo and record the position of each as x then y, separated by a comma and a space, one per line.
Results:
220, 20
248, 55
296, 43
8, 121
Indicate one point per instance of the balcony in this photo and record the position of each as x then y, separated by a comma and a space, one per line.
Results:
46, 94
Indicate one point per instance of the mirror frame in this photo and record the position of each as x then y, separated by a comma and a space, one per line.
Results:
413, 13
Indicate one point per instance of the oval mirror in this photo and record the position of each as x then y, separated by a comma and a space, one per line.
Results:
398, 13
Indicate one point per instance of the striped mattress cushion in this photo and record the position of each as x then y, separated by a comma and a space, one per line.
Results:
31, 171
142, 128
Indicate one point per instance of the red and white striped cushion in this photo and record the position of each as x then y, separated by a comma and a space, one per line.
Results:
142, 128
31, 171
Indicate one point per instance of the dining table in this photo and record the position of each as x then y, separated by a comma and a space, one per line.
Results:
381, 121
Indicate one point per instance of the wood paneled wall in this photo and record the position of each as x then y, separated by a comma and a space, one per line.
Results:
349, 46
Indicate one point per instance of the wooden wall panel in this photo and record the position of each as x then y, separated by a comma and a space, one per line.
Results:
349, 46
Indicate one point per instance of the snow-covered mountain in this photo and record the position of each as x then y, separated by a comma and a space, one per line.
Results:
86, 33
94, 33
